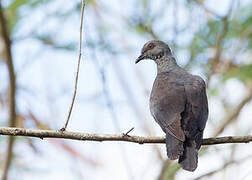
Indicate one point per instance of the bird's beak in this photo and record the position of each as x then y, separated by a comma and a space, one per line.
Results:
141, 57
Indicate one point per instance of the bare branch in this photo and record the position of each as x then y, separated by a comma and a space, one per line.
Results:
12, 88
111, 137
8, 157
234, 113
217, 57
12, 77
207, 10
224, 167
78, 68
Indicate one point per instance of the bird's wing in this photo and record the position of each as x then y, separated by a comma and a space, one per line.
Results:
167, 103
195, 90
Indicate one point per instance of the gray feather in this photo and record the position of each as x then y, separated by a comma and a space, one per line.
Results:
174, 147
178, 103
189, 159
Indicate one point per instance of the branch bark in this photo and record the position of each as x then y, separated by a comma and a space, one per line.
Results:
111, 137
12, 90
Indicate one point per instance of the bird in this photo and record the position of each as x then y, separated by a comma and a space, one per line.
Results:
178, 103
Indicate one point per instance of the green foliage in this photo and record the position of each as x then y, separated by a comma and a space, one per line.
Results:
12, 13
48, 40
213, 92
170, 171
241, 26
243, 73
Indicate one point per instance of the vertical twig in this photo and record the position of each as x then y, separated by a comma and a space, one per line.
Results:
12, 88
78, 68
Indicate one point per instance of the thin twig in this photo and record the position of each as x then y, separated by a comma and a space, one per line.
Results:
127, 133
78, 68
12, 88
217, 57
135, 107
207, 10
111, 137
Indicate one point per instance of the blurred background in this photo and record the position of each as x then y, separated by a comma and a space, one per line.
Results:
209, 38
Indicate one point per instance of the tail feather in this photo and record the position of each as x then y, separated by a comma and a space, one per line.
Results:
189, 159
199, 139
174, 147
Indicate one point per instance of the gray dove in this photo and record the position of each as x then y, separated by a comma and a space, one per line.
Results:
178, 103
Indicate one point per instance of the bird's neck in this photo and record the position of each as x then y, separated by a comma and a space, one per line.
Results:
166, 64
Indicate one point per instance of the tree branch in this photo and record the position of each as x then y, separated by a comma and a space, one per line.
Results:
219, 49
234, 113
111, 137
78, 68
224, 167
12, 90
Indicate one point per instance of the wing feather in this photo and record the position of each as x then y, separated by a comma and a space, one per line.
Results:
196, 96
167, 102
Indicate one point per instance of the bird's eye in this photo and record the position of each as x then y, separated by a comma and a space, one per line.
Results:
150, 46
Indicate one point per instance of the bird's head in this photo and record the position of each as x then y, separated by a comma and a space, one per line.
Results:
154, 50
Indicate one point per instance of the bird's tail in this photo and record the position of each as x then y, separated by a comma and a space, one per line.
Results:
174, 147
189, 159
